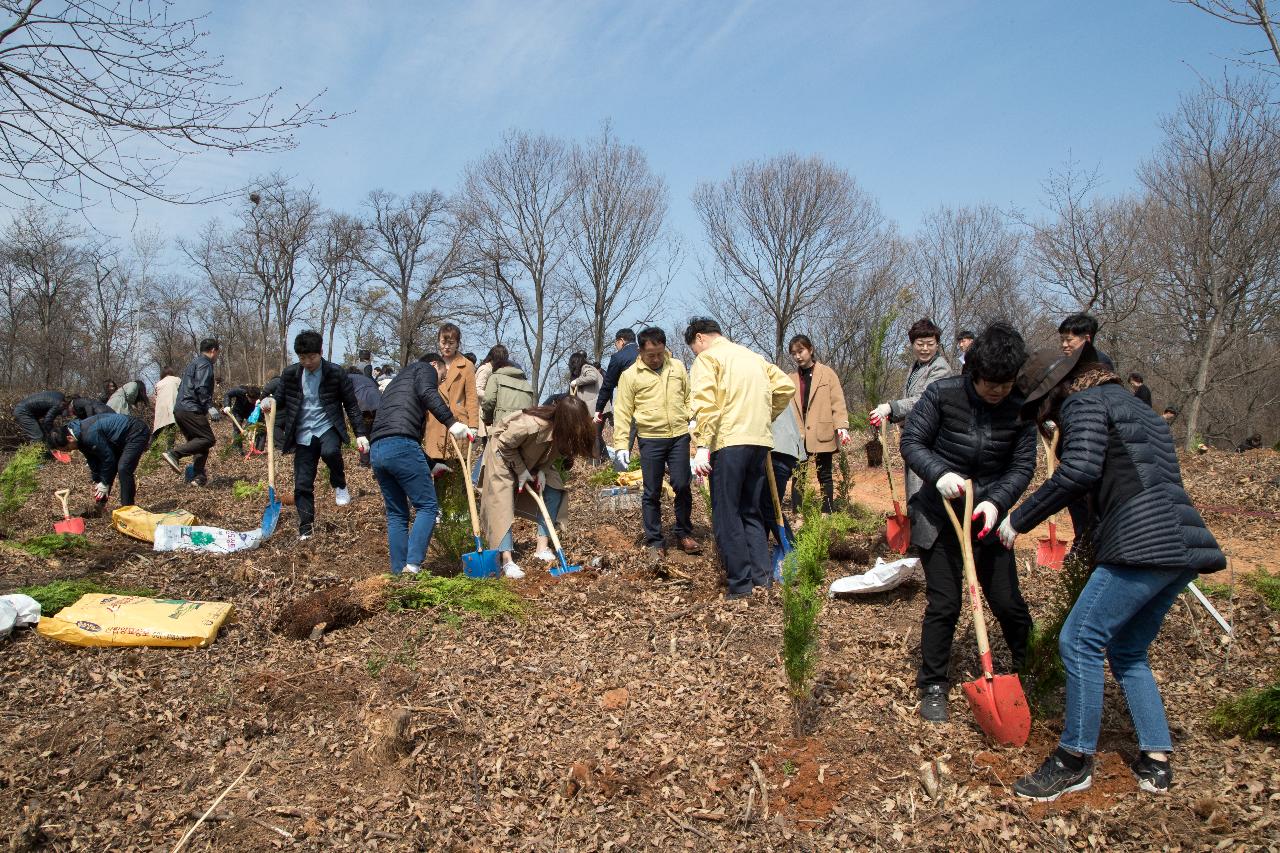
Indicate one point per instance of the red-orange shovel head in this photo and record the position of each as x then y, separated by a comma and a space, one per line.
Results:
1051, 551
1000, 707
898, 530
74, 526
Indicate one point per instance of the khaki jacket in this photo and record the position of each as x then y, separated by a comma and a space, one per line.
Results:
519, 442
657, 401
826, 412
735, 396
459, 391
166, 394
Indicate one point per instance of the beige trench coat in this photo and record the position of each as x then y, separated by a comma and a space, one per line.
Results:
459, 392
826, 413
519, 442
166, 395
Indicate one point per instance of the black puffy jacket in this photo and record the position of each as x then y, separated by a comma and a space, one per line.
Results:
618, 362
403, 411
952, 429
195, 393
43, 407
336, 396
1118, 452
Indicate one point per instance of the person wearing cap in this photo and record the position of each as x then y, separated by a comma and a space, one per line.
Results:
967, 428
964, 340
1149, 543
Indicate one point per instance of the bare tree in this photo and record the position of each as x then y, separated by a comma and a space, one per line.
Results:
782, 232
111, 96
47, 258
1248, 13
519, 216
333, 264
1213, 230
619, 206
411, 251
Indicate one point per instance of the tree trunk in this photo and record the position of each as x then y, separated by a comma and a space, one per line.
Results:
1201, 383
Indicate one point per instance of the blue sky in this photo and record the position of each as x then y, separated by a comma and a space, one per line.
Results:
926, 103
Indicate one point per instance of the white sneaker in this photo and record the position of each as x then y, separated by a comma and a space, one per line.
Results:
341, 497
511, 570
546, 556
410, 569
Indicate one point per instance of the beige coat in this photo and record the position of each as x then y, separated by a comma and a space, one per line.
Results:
519, 442
166, 395
826, 412
459, 391
483, 372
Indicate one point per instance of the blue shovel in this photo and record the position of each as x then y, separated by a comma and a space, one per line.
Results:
478, 563
780, 526
271, 515
564, 568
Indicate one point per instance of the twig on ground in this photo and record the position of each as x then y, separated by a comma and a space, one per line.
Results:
181, 843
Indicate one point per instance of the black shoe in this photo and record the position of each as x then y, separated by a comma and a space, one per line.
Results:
1055, 777
737, 596
933, 703
1153, 776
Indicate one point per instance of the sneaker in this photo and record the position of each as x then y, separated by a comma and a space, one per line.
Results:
303, 537
341, 497
547, 556
410, 569
1055, 778
172, 462
1153, 776
511, 570
933, 703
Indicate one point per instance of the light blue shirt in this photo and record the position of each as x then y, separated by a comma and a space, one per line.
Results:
312, 421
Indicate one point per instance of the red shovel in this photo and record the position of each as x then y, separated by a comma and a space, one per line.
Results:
997, 701
74, 526
1051, 551
898, 527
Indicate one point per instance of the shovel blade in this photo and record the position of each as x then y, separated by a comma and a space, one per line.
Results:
1051, 551
1000, 708
564, 568
898, 530
72, 526
62, 456
481, 564
270, 515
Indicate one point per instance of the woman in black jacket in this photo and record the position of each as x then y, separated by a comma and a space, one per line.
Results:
967, 427
1148, 544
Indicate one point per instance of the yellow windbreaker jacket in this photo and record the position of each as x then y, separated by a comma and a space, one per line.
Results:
657, 401
736, 395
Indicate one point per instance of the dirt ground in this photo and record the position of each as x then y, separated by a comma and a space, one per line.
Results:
631, 709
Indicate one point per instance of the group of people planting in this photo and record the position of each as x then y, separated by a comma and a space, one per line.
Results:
734, 418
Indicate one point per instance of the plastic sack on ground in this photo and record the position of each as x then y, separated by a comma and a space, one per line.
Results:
17, 611
126, 620
212, 540
136, 522
882, 577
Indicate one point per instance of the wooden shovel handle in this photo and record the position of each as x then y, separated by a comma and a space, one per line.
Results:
773, 489
62, 495
466, 478
546, 516
964, 532
888, 468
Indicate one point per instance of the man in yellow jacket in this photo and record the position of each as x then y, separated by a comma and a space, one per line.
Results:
734, 399
653, 393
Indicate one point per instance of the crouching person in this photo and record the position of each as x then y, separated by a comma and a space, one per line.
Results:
400, 466
112, 446
968, 427
521, 456
1149, 542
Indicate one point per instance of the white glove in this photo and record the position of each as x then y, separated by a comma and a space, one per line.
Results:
362, 444
542, 480
527, 479
267, 404
950, 485
623, 458
100, 491
440, 470
989, 514
843, 434
214, 414
880, 414
226, 410
459, 430
599, 418
573, 386
701, 464
693, 426
1007, 533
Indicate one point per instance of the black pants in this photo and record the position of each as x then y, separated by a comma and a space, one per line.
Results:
822, 461
946, 593
306, 459
671, 456
135, 444
737, 479
199, 439
783, 466
29, 425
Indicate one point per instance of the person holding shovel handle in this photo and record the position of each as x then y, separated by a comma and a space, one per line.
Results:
1148, 543
112, 445
401, 467
967, 427
519, 457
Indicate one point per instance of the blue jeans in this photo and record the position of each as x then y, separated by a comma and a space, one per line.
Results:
737, 483
552, 498
402, 472
1118, 614
659, 456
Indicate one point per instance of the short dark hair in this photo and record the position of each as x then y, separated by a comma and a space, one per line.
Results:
1079, 324
700, 326
997, 355
308, 343
433, 358
1137, 377
496, 352
364, 354
924, 328
964, 334
1171, 410
577, 361
470, 356
626, 334
209, 344
802, 340
652, 335
353, 370
450, 330
57, 438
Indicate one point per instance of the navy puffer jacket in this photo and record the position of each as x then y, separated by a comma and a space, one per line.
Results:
952, 429
1117, 451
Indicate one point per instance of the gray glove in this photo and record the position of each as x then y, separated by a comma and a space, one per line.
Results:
214, 414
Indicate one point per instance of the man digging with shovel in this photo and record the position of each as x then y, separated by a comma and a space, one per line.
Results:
112, 445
